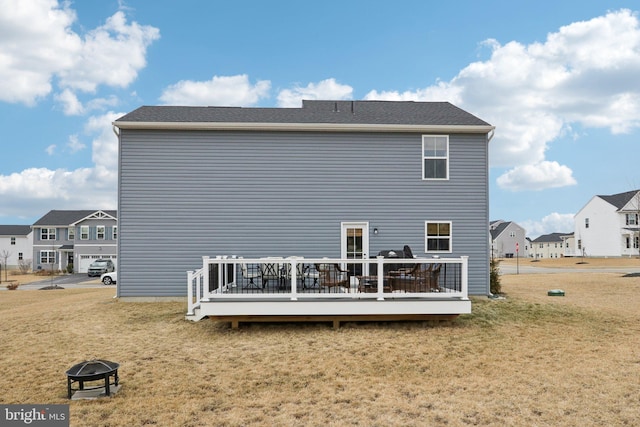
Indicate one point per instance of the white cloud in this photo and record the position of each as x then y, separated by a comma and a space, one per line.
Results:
71, 106
112, 55
552, 223
537, 177
41, 189
50, 149
586, 73
38, 47
74, 144
325, 89
220, 90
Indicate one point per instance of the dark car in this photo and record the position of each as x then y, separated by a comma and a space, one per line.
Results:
100, 266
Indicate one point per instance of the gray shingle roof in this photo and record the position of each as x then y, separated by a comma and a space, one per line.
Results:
64, 218
621, 199
495, 232
325, 112
551, 238
15, 230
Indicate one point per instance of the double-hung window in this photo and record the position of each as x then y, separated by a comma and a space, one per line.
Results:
438, 236
84, 232
47, 257
13, 240
48, 234
114, 230
71, 233
100, 232
435, 157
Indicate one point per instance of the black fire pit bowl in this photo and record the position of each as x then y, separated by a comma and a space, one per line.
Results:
92, 370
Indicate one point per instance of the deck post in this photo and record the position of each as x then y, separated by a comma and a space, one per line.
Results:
205, 274
465, 276
380, 267
190, 293
294, 278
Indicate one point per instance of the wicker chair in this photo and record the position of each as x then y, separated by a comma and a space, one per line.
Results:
332, 276
416, 279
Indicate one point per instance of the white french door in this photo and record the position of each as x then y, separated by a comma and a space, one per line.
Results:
354, 244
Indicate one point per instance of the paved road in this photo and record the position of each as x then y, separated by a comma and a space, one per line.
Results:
528, 269
68, 281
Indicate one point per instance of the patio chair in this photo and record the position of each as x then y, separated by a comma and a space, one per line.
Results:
300, 270
416, 279
250, 276
270, 270
332, 276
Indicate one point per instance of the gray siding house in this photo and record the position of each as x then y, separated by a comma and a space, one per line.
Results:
338, 179
74, 237
508, 240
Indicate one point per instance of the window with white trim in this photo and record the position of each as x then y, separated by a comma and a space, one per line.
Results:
114, 231
48, 234
20, 256
47, 257
84, 232
100, 232
586, 223
435, 157
437, 236
13, 240
71, 234
631, 219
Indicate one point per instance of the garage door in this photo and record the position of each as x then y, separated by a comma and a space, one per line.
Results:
86, 260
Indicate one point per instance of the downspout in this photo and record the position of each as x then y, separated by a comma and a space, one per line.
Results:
493, 132
115, 131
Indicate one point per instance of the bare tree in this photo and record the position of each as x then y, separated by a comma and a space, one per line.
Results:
24, 265
5, 255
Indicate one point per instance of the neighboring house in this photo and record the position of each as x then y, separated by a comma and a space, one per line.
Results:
508, 239
548, 246
569, 245
607, 226
74, 237
339, 179
15, 241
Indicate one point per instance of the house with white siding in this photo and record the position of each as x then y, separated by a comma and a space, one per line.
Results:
548, 246
245, 211
608, 226
16, 244
75, 238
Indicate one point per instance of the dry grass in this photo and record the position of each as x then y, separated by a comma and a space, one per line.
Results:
526, 360
577, 262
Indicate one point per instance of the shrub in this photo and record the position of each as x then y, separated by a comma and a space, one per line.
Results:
494, 277
13, 286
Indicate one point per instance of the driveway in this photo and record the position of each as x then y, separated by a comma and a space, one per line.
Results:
68, 281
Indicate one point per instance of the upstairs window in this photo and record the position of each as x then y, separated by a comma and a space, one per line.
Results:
586, 223
100, 232
438, 236
631, 219
115, 232
84, 232
48, 234
435, 157
13, 240
71, 233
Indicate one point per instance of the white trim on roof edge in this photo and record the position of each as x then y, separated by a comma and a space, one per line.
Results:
326, 127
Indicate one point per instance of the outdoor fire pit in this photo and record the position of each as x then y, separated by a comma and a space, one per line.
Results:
92, 370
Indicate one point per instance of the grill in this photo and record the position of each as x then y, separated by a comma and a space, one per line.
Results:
92, 370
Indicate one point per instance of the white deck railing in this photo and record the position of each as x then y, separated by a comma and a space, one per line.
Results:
295, 278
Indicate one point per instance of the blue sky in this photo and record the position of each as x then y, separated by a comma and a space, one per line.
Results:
559, 80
